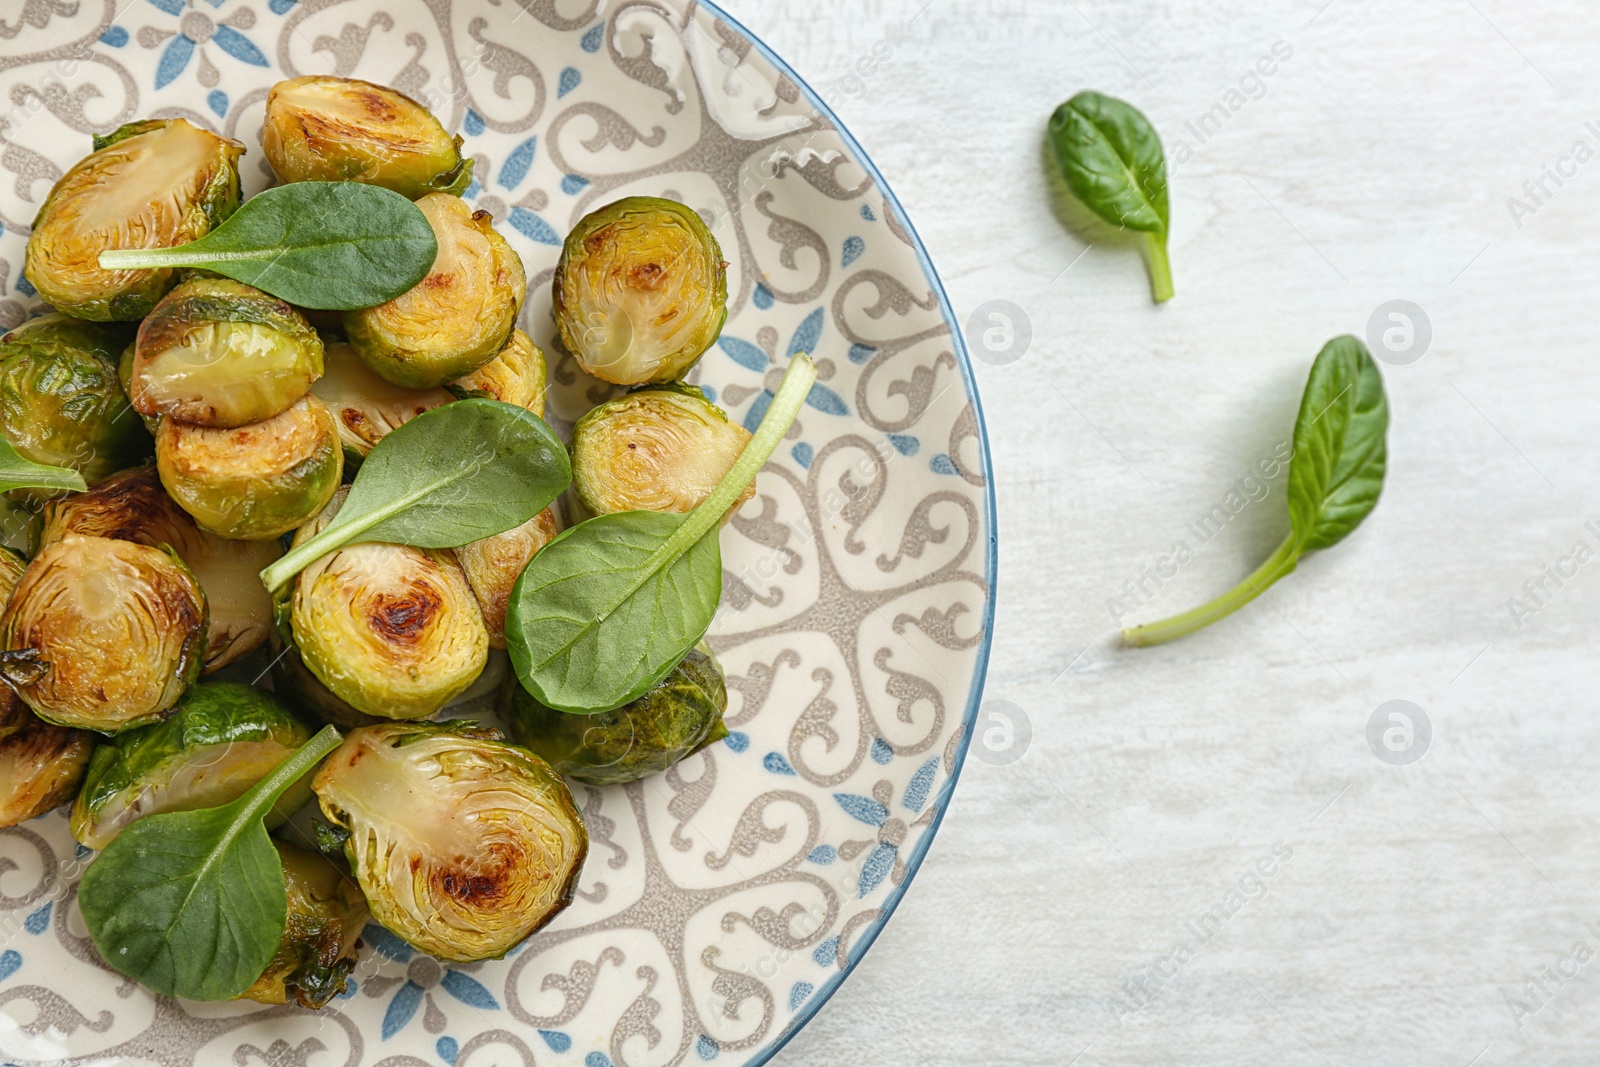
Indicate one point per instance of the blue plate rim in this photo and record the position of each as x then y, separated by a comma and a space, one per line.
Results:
991, 555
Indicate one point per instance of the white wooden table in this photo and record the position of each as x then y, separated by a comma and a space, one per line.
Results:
1411, 910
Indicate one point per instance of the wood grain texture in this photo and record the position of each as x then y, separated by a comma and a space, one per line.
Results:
1375, 164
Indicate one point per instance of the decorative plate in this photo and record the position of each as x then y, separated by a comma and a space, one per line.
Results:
725, 900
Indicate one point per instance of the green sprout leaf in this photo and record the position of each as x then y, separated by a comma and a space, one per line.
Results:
1335, 477
330, 245
604, 611
1111, 158
459, 473
193, 903
16, 472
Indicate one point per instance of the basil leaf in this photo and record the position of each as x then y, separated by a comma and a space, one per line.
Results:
330, 245
1335, 477
1337, 471
453, 475
193, 903
1112, 160
604, 611
18, 472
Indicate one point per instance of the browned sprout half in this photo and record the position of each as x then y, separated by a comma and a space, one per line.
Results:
326, 915
515, 376
216, 352
132, 506
153, 184
641, 291
494, 564
253, 482
103, 634
463, 844
654, 450
368, 407
41, 764
393, 631
104, 339
457, 318
327, 129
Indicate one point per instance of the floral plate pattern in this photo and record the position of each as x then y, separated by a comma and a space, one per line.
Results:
723, 901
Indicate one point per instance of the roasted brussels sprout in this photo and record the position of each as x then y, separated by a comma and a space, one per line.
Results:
494, 564
63, 406
292, 678
654, 450
216, 352
457, 318
132, 506
148, 185
641, 291
223, 738
257, 481
40, 764
365, 406
326, 916
394, 631
327, 129
463, 844
515, 376
104, 339
677, 717
103, 634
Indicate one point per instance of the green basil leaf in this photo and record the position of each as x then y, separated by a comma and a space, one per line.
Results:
330, 245
456, 474
1340, 451
1112, 160
17, 472
1335, 478
604, 611
193, 903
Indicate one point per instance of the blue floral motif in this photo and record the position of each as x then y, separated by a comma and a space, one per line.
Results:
942, 464
862, 809
917, 789
826, 400
806, 334
737, 740
798, 995
39, 921
593, 38
472, 122
217, 101
758, 410
597, 1059
557, 1041
10, 962
823, 854
448, 1048
877, 867
866, 213
861, 353
533, 227
803, 454
281, 7
743, 353
776, 764
707, 1048
827, 952
515, 168
25, 287
569, 81
115, 36
573, 184
852, 249
905, 443
762, 297
412, 993
184, 45
881, 753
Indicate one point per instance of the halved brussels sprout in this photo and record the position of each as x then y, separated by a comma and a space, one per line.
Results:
292, 678
216, 352
367, 406
494, 564
40, 764
326, 129
104, 339
394, 631
257, 481
150, 184
514, 376
132, 506
654, 450
641, 291
326, 916
457, 318
64, 407
463, 844
676, 718
103, 634
223, 738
